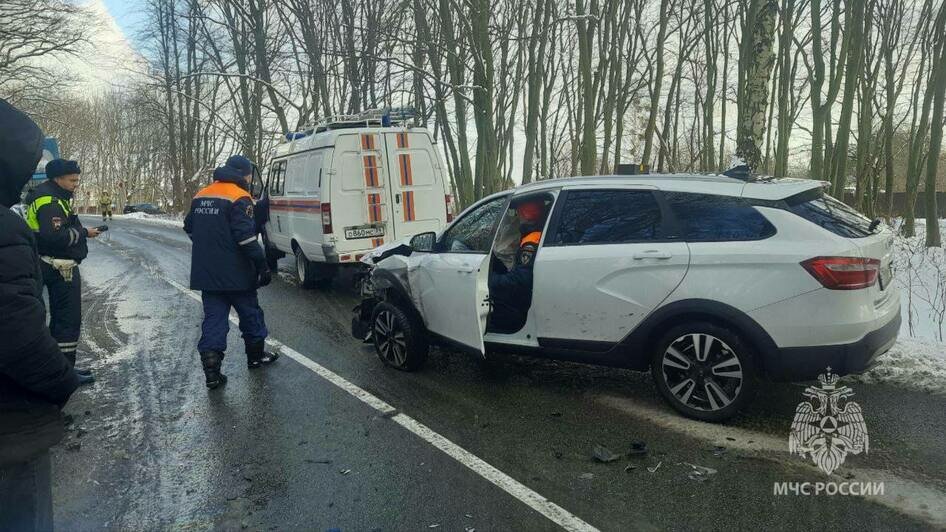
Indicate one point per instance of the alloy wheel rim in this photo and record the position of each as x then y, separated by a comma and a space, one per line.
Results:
702, 372
389, 338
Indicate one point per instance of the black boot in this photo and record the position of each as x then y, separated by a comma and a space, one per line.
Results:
212, 360
256, 356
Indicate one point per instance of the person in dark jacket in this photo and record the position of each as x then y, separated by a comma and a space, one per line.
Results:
227, 266
61, 241
36, 380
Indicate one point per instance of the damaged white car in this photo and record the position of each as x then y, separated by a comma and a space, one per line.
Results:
710, 282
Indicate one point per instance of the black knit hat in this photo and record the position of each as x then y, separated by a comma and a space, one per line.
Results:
60, 167
21, 146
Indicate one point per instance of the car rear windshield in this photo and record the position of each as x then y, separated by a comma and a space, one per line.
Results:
833, 215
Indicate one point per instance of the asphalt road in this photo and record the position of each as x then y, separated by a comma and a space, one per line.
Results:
285, 448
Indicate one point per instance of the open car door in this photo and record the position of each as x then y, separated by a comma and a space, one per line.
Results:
454, 293
450, 284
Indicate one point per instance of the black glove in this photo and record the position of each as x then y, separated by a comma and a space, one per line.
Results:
264, 278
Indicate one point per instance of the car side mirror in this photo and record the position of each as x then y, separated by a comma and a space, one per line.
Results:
424, 241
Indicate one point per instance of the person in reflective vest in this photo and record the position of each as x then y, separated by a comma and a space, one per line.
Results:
227, 266
61, 242
105, 204
511, 291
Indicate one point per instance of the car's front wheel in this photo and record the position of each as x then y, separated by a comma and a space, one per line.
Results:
399, 338
704, 371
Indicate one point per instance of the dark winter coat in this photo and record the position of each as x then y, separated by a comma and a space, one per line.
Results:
59, 233
225, 255
35, 378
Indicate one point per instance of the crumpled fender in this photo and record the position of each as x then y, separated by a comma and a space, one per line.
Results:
397, 273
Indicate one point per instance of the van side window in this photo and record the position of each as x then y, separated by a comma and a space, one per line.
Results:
474, 232
711, 218
277, 178
313, 168
295, 175
608, 217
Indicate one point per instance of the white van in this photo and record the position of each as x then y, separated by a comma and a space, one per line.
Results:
346, 187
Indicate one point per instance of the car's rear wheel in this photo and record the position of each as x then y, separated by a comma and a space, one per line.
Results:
399, 338
704, 371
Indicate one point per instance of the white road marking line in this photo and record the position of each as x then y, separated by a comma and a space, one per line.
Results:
523, 493
906, 496
530, 498
332, 377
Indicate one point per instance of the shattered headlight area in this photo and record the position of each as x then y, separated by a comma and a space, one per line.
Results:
387, 272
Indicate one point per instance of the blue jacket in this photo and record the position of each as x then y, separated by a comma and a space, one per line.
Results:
225, 255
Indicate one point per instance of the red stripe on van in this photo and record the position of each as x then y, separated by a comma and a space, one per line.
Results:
371, 171
402, 140
404, 165
409, 215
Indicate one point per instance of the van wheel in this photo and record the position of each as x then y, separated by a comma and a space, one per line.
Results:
305, 270
399, 338
704, 371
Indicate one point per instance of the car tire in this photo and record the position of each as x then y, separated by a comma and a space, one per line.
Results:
399, 338
712, 389
305, 270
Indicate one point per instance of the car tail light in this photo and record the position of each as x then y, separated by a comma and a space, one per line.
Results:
448, 200
843, 273
326, 218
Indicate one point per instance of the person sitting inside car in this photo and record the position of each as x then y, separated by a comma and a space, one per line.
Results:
511, 288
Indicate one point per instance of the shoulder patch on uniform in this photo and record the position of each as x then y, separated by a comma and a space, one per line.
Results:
57, 222
526, 254
249, 210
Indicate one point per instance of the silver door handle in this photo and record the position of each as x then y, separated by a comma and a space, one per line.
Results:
464, 270
652, 254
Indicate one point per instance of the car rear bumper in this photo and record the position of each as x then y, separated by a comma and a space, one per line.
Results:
805, 363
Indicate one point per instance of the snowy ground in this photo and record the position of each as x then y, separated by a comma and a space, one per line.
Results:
918, 360
157, 219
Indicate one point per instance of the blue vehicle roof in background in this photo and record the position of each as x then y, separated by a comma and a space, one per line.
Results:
50, 152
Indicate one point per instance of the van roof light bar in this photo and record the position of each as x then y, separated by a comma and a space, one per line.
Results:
384, 117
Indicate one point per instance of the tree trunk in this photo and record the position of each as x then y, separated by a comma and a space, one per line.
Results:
658, 81
757, 60
855, 64
936, 132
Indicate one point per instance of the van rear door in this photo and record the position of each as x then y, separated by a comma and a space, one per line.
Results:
416, 185
360, 198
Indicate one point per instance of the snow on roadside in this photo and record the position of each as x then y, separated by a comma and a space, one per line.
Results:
918, 359
156, 219
912, 363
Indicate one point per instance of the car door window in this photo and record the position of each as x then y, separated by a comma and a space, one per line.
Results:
607, 217
474, 232
711, 218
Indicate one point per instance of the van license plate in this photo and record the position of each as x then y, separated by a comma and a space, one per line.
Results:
353, 233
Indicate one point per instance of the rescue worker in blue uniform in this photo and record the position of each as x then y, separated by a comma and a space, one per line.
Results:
227, 266
511, 290
61, 242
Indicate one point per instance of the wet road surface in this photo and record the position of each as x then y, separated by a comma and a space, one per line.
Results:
286, 449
